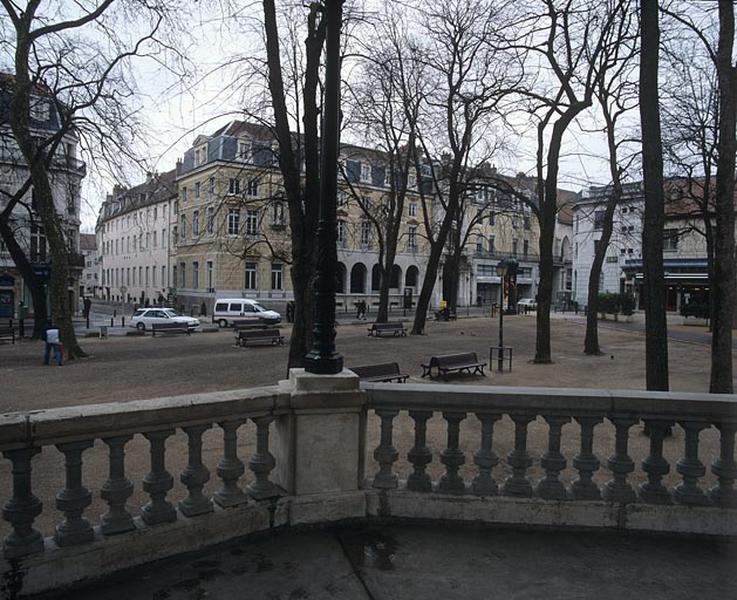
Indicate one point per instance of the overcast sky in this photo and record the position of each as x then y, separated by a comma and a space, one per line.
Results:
176, 111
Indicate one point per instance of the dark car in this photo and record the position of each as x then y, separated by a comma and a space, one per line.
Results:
700, 310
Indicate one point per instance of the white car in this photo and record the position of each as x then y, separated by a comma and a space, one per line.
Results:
144, 318
526, 304
228, 310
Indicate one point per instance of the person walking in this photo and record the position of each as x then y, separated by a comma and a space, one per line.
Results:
87, 306
52, 337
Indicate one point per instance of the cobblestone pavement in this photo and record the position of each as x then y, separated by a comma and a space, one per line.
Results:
400, 562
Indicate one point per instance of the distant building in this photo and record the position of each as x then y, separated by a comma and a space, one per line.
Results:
230, 224
133, 240
90, 281
684, 245
66, 172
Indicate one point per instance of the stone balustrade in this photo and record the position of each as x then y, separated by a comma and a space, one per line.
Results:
658, 411
309, 462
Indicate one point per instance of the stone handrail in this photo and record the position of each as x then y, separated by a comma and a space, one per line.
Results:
73, 430
658, 410
309, 466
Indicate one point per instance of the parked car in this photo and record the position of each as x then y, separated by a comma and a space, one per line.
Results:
144, 318
526, 304
228, 310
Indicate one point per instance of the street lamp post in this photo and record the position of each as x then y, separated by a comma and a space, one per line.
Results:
501, 271
323, 358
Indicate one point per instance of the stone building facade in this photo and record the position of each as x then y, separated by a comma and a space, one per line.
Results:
66, 172
133, 241
684, 245
231, 236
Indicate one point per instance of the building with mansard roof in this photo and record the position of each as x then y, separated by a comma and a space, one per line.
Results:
66, 172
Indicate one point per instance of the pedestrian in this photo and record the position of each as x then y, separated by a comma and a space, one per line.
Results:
87, 303
52, 337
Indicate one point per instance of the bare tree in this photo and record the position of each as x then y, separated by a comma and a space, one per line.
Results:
615, 95
568, 41
74, 58
301, 192
470, 84
656, 339
383, 107
724, 255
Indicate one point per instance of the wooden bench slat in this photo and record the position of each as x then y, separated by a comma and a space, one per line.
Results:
381, 373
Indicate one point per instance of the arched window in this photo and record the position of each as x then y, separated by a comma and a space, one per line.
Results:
396, 278
376, 278
410, 278
358, 279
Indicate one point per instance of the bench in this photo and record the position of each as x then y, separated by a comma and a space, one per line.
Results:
443, 316
248, 325
380, 329
270, 336
170, 328
7, 333
446, 363
386, 372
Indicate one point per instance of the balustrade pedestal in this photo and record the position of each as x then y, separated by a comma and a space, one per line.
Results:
319, 444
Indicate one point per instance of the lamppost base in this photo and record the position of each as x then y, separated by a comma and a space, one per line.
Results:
320, 364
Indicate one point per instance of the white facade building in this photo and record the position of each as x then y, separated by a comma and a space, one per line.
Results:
133, 234
66, 172
90, 282
625, 244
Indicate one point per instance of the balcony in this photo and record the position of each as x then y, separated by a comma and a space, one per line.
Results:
76, 260
496, 255
308, 439
13, 156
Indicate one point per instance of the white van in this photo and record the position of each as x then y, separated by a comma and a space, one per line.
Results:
228, 310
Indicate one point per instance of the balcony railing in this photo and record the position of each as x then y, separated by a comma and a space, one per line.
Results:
61, 161
309, 465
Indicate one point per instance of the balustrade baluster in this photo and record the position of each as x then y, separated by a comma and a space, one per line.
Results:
262, 462
691, 468
485, 458
620, 464
653, 491
386, 454
519, 459
73, 498
158, 481
725, 468
452, 457
420, 455
231, 468
195, 475
550, 487
117, 489
22, 508
586, 462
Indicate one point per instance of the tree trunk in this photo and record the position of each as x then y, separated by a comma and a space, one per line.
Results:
656, 330
38, 294
428, 284
724, 263
545, 291
61, 310
386, 273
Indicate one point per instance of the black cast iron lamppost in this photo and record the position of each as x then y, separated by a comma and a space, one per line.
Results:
323, 358
501, 271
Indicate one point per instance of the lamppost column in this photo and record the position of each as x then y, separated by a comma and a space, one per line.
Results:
323, 358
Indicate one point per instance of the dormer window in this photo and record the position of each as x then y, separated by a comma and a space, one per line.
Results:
40, 110
243, 150
200, 155
366, 172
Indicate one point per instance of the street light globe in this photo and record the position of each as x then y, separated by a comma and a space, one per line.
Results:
501, 268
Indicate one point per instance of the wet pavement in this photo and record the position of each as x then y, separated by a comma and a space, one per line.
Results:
401, 562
